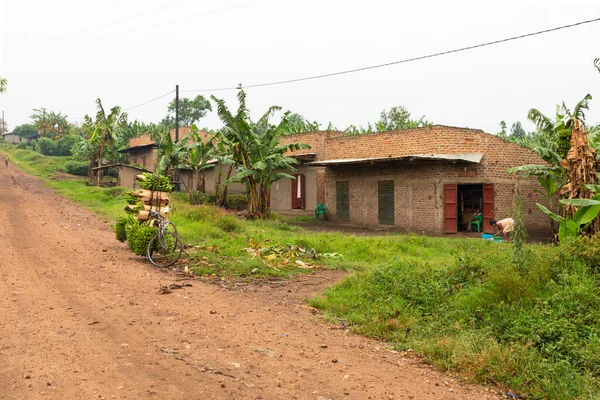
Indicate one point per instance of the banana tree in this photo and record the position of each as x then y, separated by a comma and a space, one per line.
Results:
105, 131
254, 152
197, 156
587, 211
580, 163
269, 164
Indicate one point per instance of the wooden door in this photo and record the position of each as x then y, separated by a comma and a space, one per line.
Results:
488, 207
298, 194
385, 202
450, 208
342, 200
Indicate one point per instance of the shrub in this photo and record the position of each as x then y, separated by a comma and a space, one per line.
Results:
23, 145
228, 223
61, 147
44, 146
79, 168
237, 202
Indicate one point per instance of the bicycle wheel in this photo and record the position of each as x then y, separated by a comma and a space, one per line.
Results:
164, 250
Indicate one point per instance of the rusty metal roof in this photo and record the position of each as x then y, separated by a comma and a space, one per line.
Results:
466, 157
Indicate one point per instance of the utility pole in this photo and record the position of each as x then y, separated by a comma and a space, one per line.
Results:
3, 126
176, 113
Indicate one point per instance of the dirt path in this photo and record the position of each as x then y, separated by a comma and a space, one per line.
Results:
81, 318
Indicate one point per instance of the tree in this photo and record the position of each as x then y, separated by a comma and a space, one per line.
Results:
255, 152
104, 132
597, 64
190, 111
570, 150
502, 129
298, 124
50, 124
197, 155
398, 118
26, 131
3, 84
517, 131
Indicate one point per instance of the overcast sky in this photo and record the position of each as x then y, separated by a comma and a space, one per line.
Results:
63, 54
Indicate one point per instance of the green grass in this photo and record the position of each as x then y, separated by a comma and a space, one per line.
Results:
535, 329
465, 305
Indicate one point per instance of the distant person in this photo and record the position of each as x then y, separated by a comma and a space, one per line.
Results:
476, 217
6, 160
503, 227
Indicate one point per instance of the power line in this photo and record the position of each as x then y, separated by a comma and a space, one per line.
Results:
124, 19
147, 27
407, 60
149, 101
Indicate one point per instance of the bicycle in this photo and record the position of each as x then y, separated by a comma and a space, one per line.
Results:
165, 248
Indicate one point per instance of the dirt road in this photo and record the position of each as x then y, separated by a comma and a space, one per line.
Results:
81, 318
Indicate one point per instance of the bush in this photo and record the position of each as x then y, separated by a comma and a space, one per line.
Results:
237, 202
61, 147
585, 249
228, 223
202, 198
79, 168
23, 145
44, 146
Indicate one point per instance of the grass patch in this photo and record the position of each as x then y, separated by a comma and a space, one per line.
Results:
535, 329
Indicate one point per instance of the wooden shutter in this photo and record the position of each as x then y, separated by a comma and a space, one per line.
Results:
294, 185
450, 209
488, 207
385, 196
342, 200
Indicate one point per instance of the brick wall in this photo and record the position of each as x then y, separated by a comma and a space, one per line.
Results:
316, 140
419, 196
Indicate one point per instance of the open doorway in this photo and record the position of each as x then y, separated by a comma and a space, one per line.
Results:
470, 201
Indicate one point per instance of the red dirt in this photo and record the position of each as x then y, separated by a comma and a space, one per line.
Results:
81, 318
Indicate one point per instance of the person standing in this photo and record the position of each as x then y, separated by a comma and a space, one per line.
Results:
6, 160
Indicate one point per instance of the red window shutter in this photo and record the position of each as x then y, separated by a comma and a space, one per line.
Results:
294, 193
302, 196
450, 209
488, 207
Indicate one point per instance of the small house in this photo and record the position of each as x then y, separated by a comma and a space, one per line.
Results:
430, 179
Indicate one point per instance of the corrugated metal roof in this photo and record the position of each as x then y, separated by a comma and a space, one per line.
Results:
466, 157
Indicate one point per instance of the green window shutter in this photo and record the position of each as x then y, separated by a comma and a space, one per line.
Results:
342, 200
385, 195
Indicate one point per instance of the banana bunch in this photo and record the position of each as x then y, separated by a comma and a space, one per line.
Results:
120, 230
157, 183
131, 198
139, 236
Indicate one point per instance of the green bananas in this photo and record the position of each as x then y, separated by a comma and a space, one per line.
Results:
155, 182
138, 237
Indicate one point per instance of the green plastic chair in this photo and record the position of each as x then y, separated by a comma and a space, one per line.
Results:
321, 210
477, 221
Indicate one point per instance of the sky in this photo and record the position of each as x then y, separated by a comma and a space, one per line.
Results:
62, 55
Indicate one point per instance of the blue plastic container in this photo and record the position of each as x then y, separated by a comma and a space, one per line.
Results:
487, 236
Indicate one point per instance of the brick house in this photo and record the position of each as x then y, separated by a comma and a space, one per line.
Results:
143, 156
425, 180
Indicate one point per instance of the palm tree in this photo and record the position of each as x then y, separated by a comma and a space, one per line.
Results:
105, 131
3, 84
255, 153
